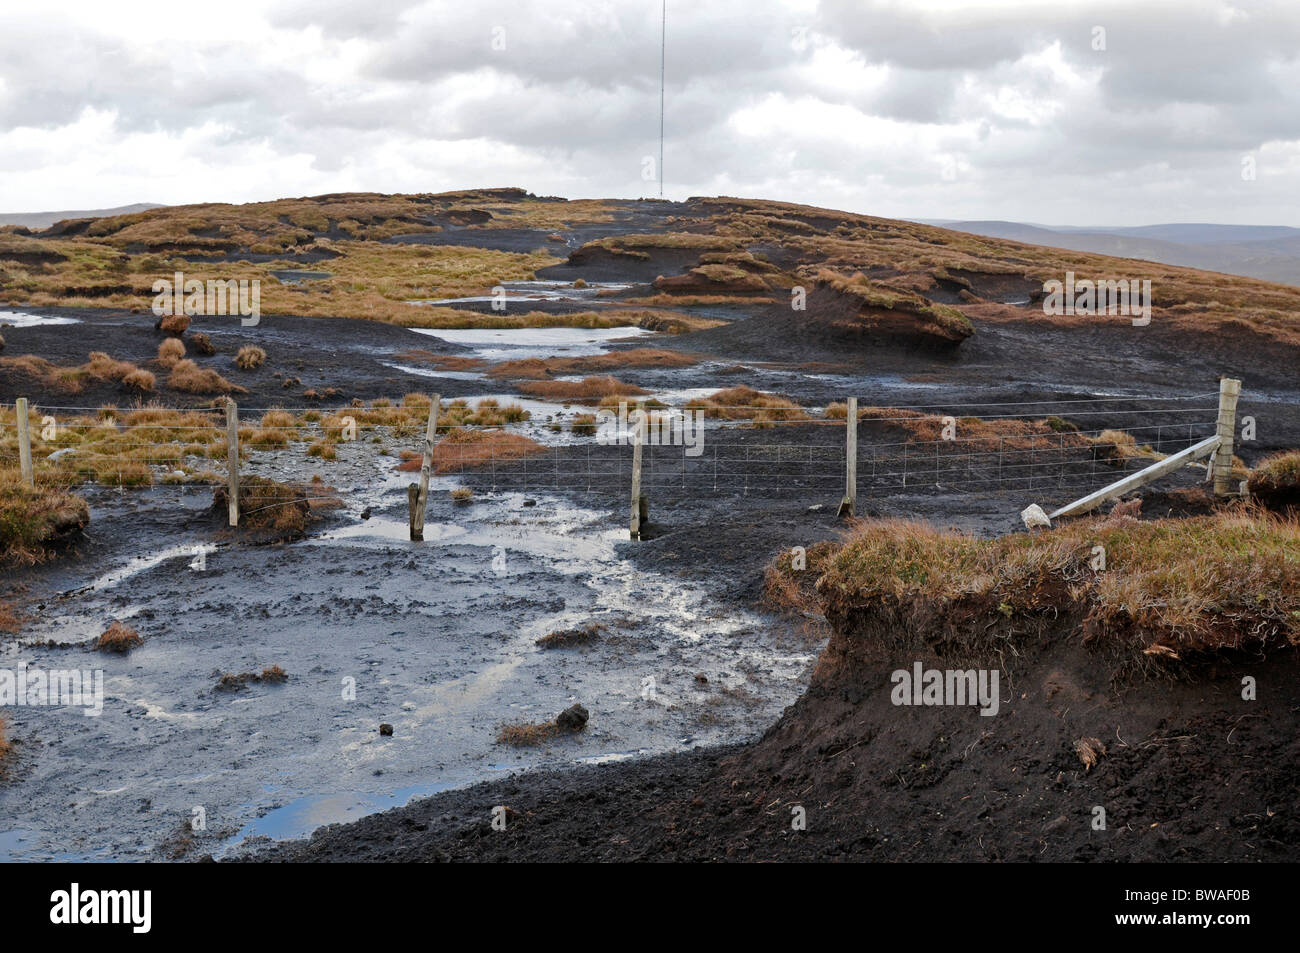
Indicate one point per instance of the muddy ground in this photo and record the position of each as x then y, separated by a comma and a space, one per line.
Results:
440, 637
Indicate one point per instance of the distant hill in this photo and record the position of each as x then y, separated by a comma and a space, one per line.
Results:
46, 219
1271, 252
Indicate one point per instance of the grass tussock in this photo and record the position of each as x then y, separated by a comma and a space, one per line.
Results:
118, 637
541, 368
170, 351
589, 390
188, 377
1275, 482
745, 403
567, 638
250, 357
524, 734
35, 521
1172, 589
461, 449
265, 504
232, 682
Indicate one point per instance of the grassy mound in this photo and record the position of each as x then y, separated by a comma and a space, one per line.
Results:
460, 449
36, 520
267, 505
1174, 590
1276, 481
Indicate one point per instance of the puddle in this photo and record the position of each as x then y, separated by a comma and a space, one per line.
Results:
377, 528
536, 291
139, 564
437, 639
300, 277
303, 815
505, 344
434, 372
21, 319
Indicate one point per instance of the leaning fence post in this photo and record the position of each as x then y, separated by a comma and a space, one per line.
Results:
426, 467
232, 460
848, 507
1229, 391
24, 442
638, 437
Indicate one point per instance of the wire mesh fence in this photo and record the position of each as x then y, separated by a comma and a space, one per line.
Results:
1052, 449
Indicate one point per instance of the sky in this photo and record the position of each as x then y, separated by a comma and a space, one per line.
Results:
1055, 112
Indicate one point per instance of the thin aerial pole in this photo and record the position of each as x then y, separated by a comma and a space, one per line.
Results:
663, 35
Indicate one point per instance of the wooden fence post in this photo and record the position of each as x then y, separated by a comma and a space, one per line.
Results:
232, 460
637, 499
413, 507
848, 507
24, 442
1229, 391
426, 467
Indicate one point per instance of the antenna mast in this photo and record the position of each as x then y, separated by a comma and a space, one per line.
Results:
663, 35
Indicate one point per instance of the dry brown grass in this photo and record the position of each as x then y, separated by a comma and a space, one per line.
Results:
523, 734
11, 619
745, 403
265, 504
587, 390
1173, 589
188, 377
539, 368
118, 637
250, 357
34, 521
175, 324
566, 638
5, 745
1276, 480
461, 449
170, 351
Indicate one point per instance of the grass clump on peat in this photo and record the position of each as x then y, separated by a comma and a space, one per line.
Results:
118, 637
1275, 482
1173, 589
34, 521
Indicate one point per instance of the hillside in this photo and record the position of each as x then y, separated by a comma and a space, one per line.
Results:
377, 253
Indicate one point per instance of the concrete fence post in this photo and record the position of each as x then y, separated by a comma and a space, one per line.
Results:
232, 460
24, 443
639, 505
1229, 391
848, 506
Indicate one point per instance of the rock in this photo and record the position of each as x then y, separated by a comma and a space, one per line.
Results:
815, 508
1034, 517
573, 718
530, 502
386, 729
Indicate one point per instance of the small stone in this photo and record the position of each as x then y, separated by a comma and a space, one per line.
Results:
386, 729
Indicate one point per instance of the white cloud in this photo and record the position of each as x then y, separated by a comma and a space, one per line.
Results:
922, 108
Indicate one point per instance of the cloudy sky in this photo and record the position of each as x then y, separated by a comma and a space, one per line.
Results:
1053, 112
